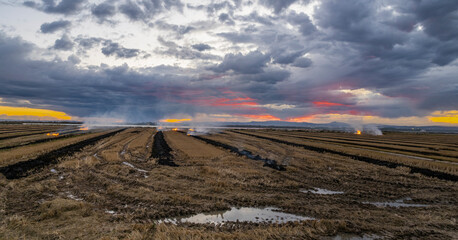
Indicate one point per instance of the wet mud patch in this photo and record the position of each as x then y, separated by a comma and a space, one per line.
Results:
267, 162
25, 168
161, 151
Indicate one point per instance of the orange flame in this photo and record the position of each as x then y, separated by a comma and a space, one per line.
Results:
52, 134
191, 129
84, 128
175, 129
358, 132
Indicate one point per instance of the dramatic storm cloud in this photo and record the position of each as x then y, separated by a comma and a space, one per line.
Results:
382, 61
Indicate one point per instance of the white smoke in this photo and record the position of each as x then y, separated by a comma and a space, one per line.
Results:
372, 130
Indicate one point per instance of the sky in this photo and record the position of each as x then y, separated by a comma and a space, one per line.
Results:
319, 61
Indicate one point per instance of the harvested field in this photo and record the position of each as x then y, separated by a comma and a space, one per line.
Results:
119, 184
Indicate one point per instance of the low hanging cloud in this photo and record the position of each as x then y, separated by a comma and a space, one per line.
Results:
114, 49
64, 43
103, 10
251, 63
145, 10
65, 7
54, 26
201, 47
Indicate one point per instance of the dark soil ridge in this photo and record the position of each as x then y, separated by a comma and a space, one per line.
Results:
267, 162
423, 171
420, 152
25, 168
161, 150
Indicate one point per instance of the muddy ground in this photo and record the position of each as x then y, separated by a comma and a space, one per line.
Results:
123, 185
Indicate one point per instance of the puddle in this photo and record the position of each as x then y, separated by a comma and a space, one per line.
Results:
397, 204
244, 214
132, 166
110, 212
321, 191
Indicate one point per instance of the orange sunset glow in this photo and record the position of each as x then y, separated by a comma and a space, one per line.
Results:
176, 120
445, 117
265, 117
32, 113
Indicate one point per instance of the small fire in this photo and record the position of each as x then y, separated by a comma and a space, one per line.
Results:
190, 131
52, 134
358, 132
84, 128
175, 129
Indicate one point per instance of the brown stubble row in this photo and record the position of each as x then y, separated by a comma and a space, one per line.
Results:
433, 165
11, 156
427, 139
212, 179
438, 153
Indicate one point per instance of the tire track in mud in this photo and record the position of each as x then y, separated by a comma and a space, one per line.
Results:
124, 150
25, 168
161, 150
267, 162
423, 171
106, 145
149, 147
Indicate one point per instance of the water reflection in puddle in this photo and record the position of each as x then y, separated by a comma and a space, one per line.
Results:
397, 203
321, 191
244, 214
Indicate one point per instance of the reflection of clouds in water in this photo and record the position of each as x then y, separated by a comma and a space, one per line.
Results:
243, 214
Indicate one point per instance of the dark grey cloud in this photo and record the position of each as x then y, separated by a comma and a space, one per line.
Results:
179, 30
201, 47
64, 43
74, 59
173, 49
387, 46
104, 10
225, 18
54, 26
145, 10
132, 11
236, 37
114, 49
302, 20
302, 62
251, 63
61, 7
286, 57
105, 91
444, 99
267, 77
88, 43
278, 5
